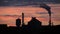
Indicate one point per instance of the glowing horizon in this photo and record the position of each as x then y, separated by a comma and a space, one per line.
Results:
8, 15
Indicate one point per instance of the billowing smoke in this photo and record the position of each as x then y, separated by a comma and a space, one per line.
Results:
46, 7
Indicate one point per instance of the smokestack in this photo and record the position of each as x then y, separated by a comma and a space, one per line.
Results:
22, 18
48, 8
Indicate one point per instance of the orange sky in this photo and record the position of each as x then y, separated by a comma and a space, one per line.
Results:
29, 12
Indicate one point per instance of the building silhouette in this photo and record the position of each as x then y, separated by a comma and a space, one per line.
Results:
34, 23
18, 22
3, 25
34, 26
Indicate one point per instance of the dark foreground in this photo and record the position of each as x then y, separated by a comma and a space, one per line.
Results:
34, 30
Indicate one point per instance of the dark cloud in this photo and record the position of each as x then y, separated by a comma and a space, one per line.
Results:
43, 13
42, 17
56, 18
21, 2
12, 15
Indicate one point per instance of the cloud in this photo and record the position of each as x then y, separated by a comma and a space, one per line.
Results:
56, 18
43, 13
42, 17
2, 21
19, 2
12, 15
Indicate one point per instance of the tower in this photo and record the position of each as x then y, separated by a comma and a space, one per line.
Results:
18, 22
22, 18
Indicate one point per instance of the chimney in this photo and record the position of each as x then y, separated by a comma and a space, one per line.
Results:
22, 18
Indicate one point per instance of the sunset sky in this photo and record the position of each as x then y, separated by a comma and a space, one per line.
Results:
10, 12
